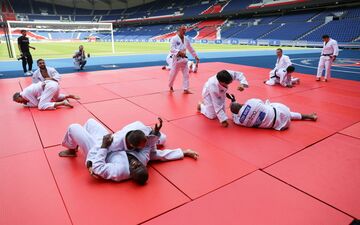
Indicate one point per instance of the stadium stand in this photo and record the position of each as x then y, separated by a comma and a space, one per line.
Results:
310, 25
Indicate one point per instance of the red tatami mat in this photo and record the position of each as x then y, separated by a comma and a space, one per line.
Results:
93, 202
311, 172
328, 170
28, 193
52, 124
120, 112
195, 178
256, 146
255, 199
353, 130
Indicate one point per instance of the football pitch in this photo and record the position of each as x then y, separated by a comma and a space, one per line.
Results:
48, 50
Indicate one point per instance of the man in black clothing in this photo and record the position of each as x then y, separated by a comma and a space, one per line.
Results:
24, 48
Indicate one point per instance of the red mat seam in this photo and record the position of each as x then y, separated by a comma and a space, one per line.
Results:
57, 187
348, 136
294, 153
308, 194
96, 117
201, 196
18, 153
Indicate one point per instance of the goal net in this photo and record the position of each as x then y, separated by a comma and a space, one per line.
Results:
61, 39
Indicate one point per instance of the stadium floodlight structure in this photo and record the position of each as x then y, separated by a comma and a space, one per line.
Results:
57, 26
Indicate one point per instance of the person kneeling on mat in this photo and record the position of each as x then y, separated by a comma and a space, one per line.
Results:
122, 155
213, 104
282, 77
258, 114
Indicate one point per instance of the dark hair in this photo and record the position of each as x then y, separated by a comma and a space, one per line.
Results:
136, 137
235, 107
325, 36
16, 95
224, 76
37, 61
279, 49
22, 31
140, 174
290, 69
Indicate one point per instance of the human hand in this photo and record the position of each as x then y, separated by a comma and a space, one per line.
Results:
191, 154
107, 140
225, 123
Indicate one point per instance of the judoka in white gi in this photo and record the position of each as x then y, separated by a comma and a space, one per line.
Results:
214, 94
328, 55
192, 66
282, 61
45, 73
258, 114
43, 95
122, 155
80, 58
283, 77
178, 46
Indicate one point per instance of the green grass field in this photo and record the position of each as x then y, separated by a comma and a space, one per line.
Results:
67, 49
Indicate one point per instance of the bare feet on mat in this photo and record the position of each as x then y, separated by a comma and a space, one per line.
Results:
68, 153
318, 79
314, 116
191, 154
73, 97
67, 104
187, 92
171, 89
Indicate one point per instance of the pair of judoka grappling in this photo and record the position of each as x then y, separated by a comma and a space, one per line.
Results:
125, 154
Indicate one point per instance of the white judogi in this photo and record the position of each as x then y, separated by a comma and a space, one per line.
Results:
179, 63
37, 77
256, 113
112, 163
329, 50
281, 76
283, 62
190, 64
214, 95
42, 95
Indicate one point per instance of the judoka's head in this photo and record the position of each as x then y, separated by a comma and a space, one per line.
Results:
224, 78
18, 98
41, 63
136, 139
23, 33
325, 37
290, 69
182, 30
279, 52
138, 171
81, 47
235, 107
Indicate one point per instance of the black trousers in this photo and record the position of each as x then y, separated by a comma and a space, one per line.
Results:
27, 59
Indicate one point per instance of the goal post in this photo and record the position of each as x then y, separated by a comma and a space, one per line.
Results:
62, 30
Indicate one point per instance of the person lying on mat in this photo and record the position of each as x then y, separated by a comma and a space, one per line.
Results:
122, 155
256, 113
213, 93
43, 95
282, 77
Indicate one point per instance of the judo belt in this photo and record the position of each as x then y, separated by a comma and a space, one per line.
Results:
273, 122
326, 54
275, 76
179, 56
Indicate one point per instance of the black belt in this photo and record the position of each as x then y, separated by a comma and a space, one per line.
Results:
275, 76
273, 123
327, 54
179, 56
